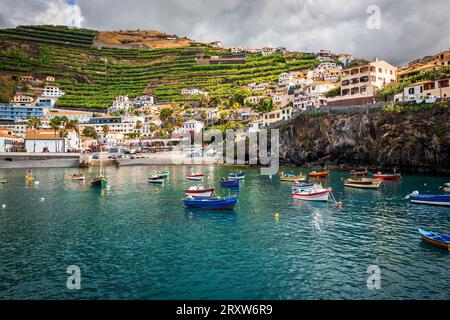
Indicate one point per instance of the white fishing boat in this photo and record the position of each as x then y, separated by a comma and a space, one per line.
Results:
195, 176
199, 192
156, 179
317, 193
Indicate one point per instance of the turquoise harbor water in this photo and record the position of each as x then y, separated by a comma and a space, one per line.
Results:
137, 241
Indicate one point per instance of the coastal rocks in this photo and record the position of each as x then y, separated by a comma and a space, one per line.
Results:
408, 141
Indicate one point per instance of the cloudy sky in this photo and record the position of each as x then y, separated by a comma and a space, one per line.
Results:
397, 31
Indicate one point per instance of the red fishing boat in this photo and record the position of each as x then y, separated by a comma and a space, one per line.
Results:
195, 176
387, 176
323, 174
199, 192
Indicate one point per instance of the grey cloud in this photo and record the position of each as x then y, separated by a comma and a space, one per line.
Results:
409, 28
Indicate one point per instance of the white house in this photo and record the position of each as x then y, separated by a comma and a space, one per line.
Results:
193, 91
143, 101
52, 91
121, 103
320, 88
192, 127
80, 116
306, 102
8, 141
21, 99
46, 140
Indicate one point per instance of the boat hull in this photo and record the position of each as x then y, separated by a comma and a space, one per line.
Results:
362, 186
239, 176
207, 193
195, 177
211, 204
435, 239
99, 182
387, 176
230, 184
431, 200
156, 181
319, 175
319, 196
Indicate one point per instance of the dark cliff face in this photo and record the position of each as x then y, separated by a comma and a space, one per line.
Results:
407, 141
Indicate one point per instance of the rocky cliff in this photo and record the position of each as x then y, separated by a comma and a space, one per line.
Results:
408, 141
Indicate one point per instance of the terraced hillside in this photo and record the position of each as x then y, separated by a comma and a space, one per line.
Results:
92, 77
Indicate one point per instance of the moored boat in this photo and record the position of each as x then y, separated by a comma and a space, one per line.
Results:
156, 179
227, 203
199, 192
363, 183
99, 181
229, 183
429, 199
436, 239
195, 176
77, 177
236, 176
387, 176
3, 180
289, 177
446, 188
322, 174
163, 174
316, 193
362, 173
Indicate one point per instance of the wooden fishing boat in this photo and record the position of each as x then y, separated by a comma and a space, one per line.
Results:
227, 203
429, 199
77, 177
199, 192
436, 239
226, 183
363, 183
99, 181
3, 180
315, 174
236, 176
289, 177
387, 176
312, 194
195, 176
302, 186
363, 173
156, 179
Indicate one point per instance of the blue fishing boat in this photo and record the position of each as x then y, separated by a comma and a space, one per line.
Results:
429, 199
436, 239
227, 203
236, 176
229, 183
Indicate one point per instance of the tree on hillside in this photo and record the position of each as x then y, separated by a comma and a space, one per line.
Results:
165, 114
90, 132
105, 129
240, 95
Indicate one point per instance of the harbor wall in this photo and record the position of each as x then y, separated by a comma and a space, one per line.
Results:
39, 160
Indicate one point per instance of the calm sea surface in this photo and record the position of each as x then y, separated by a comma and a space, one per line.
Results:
137, 241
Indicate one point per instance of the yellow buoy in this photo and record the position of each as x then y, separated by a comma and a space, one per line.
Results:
339, 204
277, 216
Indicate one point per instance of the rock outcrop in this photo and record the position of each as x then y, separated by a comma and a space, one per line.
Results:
407, 141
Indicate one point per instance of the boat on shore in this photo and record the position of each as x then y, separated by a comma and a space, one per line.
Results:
199, 192
316, 174
289, 177
77, 177
436, 239
361, 173
363, 183
227, 183
316, 193
387, 176
195, 176
227, 203
429, 199
3, 180
236, 176
156, 179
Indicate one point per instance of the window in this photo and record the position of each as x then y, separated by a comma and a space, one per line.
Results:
380, 70
443, 83
411, 90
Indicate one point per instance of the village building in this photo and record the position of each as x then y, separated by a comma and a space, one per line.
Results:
79, 116
8, 141
143, 101
22, 100
254, 99
47, 140
425, 91
121, 103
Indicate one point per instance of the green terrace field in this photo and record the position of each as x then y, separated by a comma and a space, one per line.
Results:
93, 77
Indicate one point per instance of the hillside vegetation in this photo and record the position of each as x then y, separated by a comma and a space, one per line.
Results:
92, 77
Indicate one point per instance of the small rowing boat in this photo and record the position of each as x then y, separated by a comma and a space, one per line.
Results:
429, 199
289, 177
317, 193
436, 239
227, 183
195, 176
99, 181
163, 174
302, 186
322, 174
236, 176
363, 173
385, 176
363, 183
211, 203
77, 177
156, 179
3, 180
199, 192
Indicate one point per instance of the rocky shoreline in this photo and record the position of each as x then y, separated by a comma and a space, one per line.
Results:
406, 141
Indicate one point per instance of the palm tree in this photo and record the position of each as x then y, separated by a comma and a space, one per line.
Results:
105, 129
55, 123
34, 123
